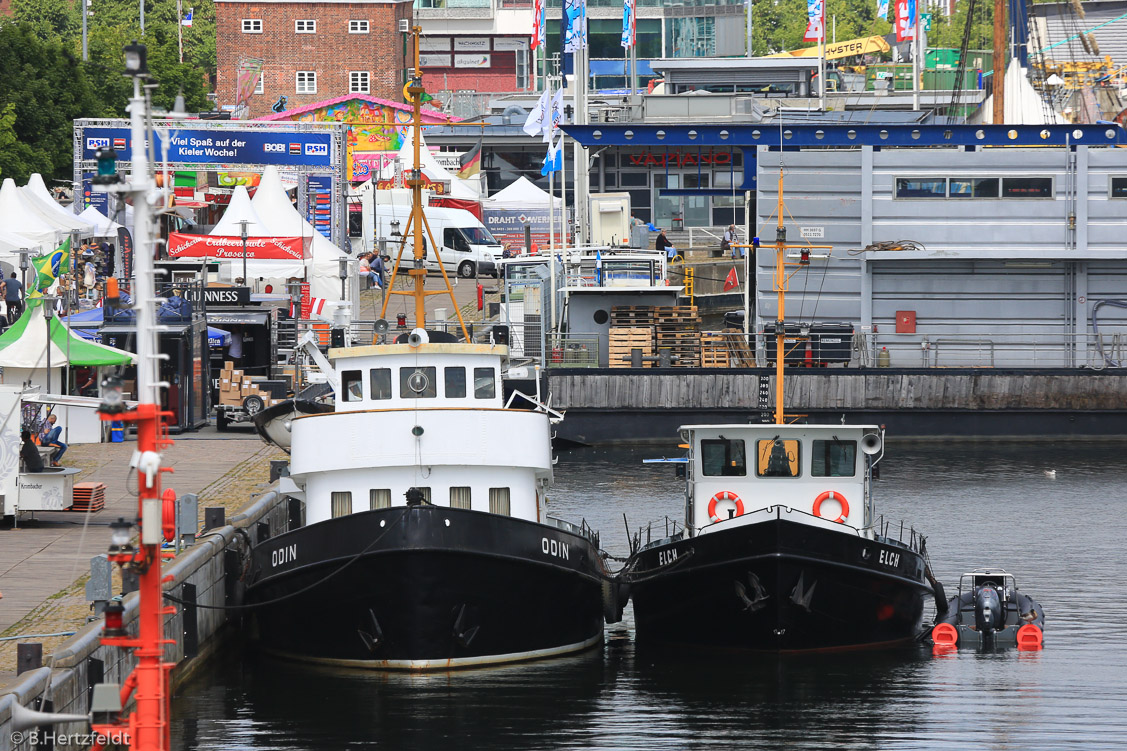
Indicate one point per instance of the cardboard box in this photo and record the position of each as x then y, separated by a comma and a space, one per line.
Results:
230, 398
224, 384
228, 364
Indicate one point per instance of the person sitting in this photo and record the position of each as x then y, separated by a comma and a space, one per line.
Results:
51, 437
29, 453
375, 262
663, 243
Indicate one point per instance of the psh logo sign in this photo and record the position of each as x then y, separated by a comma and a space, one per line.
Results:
97, 143
316, 149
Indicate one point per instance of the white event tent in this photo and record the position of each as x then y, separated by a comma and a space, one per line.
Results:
467, 190
272, 204
39, 199
19, 217
522, 194
102, 226
241, 208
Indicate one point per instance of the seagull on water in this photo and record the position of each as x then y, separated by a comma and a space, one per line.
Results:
1051, 474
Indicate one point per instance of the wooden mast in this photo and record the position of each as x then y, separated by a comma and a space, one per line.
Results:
417, 224
999, 87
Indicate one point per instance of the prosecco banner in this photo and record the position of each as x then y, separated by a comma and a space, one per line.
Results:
214, 246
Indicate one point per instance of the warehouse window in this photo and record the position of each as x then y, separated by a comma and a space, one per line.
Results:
342, 503
260, 87
358, 82
357, 27
921, 187
460, 498
307, 82
1027, 187
305, 26
973, 187
1119, 187
252, 25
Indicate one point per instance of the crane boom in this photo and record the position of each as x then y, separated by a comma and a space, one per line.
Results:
835, 50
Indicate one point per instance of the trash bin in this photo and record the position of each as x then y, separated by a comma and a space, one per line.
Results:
117, 432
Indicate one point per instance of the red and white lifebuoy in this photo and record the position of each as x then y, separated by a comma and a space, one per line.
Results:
831, 495
724, 495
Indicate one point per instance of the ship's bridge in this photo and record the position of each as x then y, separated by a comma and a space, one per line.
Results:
820, 470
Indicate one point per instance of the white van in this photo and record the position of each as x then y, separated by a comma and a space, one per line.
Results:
467, 248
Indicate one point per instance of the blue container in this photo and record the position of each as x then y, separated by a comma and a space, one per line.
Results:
117, 432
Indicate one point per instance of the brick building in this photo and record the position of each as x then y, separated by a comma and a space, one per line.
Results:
312, 51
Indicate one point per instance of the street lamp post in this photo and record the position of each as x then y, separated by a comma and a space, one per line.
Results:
48, 314
243, 234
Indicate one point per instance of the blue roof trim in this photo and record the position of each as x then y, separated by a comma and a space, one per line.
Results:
746, 136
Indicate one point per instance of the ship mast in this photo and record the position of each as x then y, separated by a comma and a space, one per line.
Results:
781, 279
418, 224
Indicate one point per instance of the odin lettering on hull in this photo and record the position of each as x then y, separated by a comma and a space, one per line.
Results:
283, 555
554, 548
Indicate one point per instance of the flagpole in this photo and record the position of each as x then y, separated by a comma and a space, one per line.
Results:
915, 59
822, 57
180, 28
749, 28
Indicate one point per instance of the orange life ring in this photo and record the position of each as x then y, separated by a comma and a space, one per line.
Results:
724, 495
831, 495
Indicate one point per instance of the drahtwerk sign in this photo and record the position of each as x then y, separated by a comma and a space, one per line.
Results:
215, 246
190, 146
507, 225
680, 158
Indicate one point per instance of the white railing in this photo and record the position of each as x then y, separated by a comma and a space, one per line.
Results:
711, 236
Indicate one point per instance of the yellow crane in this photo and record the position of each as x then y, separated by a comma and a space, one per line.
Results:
835, 50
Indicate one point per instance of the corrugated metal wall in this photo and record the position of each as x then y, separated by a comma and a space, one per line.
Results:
1054, 22
1010, 278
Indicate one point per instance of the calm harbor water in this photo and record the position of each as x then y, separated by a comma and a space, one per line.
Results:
980, 504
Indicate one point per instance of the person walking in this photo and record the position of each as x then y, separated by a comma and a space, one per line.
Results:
13, 298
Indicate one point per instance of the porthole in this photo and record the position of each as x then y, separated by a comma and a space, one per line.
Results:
597, 135
851, 135
724, 135
660, 135
628, 135
692, 135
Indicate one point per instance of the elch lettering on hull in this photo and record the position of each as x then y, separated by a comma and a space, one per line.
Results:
665, 557
888, 558
555, 548
283, 555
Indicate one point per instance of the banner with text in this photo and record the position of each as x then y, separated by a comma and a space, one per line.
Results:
200, 146
259, 248
507, 225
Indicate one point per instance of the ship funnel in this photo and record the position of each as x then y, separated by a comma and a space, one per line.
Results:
871, 443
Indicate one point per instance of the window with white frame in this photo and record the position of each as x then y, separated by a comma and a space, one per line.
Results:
305, 26
358, 82
252, 25
522, 70
306, 82
357, 27
260, 87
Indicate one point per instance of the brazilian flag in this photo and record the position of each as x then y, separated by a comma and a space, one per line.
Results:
50, 267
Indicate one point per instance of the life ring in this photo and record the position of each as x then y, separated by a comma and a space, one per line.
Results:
832, 495
724, 495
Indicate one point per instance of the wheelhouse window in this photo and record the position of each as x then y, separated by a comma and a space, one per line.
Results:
426, 493
455, 383
921, 187
777, 458
418, 383
1027, 187
723, 457
460, 498
833, 459
352, 384
499, 501
379, 498
973, 187
381, 383
484, 383
341, 503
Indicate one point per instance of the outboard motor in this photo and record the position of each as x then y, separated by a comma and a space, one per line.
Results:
989, 615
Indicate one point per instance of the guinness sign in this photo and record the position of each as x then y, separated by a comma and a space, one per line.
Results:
218, 295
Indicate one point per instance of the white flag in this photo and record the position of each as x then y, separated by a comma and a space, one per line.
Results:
534, 125
554, 117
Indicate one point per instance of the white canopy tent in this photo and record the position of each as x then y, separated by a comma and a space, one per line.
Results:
468, 190
278, 215
522, 194
239, 209
103, 227
19, 217
36, 195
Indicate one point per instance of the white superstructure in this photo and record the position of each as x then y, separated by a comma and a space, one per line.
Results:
428, 416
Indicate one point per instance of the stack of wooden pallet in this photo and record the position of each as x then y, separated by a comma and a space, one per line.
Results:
89, 497
714, 352
740, 353
678, 330
632, 316
623, 340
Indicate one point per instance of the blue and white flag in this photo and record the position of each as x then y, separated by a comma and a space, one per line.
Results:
187, 20
599, 268
553, 160
535, 123
574, 27
629, 25
815, 21
882, 8
555, 116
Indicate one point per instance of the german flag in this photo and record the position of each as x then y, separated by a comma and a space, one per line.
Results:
469, 164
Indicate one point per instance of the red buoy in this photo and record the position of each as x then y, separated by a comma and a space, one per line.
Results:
1030, 637
944, 636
